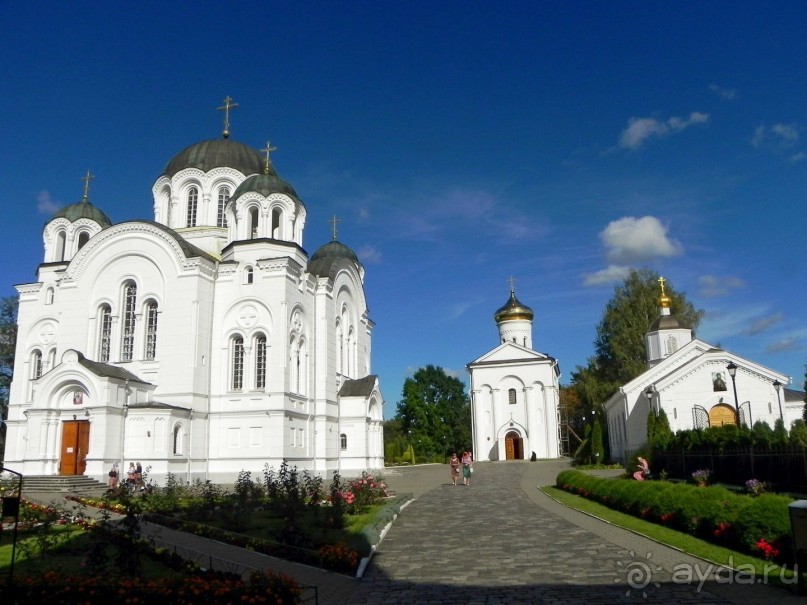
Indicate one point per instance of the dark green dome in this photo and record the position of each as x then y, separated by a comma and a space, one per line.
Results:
512, 310
217, 153
83, 209
334, 249
266, 184
326, 259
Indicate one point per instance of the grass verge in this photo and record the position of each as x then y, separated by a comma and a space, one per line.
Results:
780, 576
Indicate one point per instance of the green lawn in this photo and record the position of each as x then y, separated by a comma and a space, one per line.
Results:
689, 544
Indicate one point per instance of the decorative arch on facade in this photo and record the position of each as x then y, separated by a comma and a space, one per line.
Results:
177, 439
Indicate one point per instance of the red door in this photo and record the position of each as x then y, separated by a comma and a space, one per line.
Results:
75, 443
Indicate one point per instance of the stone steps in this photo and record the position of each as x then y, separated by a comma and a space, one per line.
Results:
63, 484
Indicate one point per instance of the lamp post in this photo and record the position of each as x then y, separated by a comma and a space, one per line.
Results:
732, 368
777, 385
649, 394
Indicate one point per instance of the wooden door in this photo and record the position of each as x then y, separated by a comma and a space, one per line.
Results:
511, 446
75, 443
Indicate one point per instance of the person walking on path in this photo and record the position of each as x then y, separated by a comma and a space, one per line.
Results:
467, 468
114, 476
455, 468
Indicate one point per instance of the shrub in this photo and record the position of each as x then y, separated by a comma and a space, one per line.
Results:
765, 518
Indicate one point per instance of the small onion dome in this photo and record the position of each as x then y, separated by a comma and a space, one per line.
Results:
266, 184
216, 153
323, 259
83, 209
664, 301
513, 310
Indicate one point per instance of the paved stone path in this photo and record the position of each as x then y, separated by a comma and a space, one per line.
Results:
502, 541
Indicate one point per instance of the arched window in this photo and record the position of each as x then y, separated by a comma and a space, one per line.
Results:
151, 330
343, 441
224, 197
237, 352
51, 359
83, 238
193, 204
61, 238
104, 332
277, 216
127, 342
672, 345
36, 364
49, 296
177, 439
511, 395
249, 275
253, 222
260, 361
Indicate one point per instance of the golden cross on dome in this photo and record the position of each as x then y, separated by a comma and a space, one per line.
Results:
512, 281
228, 105
87, 180
662, 281
267, 150
334, 221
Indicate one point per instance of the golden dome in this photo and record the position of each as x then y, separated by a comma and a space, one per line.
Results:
513, 310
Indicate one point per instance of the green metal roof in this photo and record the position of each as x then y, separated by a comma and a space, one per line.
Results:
323, 259
266, 184
217, 153
83, 209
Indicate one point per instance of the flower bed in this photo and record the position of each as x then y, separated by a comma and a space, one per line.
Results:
91, 590
757, 525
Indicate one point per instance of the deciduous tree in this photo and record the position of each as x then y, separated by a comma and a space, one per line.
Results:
435, 413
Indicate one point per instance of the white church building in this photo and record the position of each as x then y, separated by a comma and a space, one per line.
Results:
697, 385
514, 393
201, 343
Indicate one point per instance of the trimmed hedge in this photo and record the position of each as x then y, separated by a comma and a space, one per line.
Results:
759, 526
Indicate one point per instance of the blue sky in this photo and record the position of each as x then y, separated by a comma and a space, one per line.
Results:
460, 143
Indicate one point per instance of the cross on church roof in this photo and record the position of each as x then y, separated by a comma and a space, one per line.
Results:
267, 150
512, 281
662, 281
87, 179
228, 105
334, 221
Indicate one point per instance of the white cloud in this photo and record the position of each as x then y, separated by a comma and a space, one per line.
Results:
763, 324
714, 287
798, 157
610, 275
641, 129
729, 94
369, 255
784, 345
631, 240
777, 137
45, 205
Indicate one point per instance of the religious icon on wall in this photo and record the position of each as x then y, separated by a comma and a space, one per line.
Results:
78, 398
718, 381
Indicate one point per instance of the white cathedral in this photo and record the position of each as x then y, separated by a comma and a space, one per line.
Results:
201, 343
515, 393
698, 385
